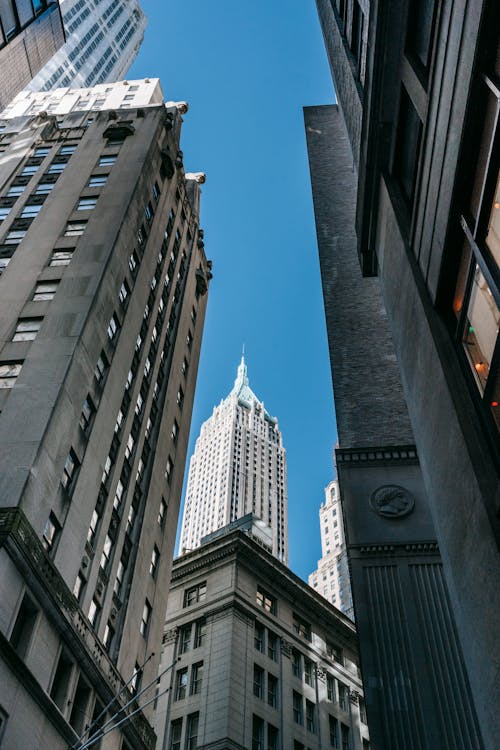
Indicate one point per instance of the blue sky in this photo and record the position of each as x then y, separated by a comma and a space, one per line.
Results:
246, 70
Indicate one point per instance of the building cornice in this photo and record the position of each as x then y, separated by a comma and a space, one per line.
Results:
377, 456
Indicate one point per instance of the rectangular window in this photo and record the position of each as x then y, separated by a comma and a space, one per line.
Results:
67, 150
57, 168
124, 292
162, 513
30, 212
155, 561
113, 327
175, 431
192, 732
310, 717
61, 257
44, 188
259, 638
362, 710
185, 638
107, 638
343, 696
133, 262
51, 532
9, 372
41, 151
94, 613
195, 594
145, 619
4, 212
106, 553
181, 682
27, 329
272, 738
88, 411
272, 690
334, 731
101, 368
257, 733
15, 237
200, 630
272, 645
408, 136
296, 664
97, 181
330, 688
308, 671
75, 228
266, 601
86, 204
15, 191
196, 677
297, 708
45, 290
258, 681
175, 735
135, 682
61, 682
107, 161
301, 627
79, 587
344, 733
20, 637
70, 470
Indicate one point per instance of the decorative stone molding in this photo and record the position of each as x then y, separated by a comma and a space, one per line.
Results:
414, 548
169, 636
286, 648
354, 696
392, 501
382, 455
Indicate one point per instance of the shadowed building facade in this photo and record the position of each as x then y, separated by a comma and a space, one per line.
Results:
102, 302
405, 185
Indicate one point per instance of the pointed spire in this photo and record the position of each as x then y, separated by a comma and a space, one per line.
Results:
242, 375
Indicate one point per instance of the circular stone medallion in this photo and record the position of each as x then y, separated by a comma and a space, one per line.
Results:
392, 501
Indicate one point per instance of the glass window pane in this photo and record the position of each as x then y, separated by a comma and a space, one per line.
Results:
481, 327
493, 236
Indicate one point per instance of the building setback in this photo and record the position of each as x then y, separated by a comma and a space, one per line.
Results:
238, 467
253, 658
102, 41
331, 579
408, 244
30, 34
102, 305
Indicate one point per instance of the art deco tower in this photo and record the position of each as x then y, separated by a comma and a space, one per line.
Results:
238, 467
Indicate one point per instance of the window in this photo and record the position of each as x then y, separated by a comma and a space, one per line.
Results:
15, 237
94, 522
420, 28
266, 601
180, 398
97, 181
310, 717
343, 695
29, 170
107, 161
362, 710
67, 150
133, 262
61, 257
195, 594
175, 431
308, 671
113, 327
94, 612
44, 188
297, 708
120, 575
79, 586
192, 732
335, 653
145, 619
86, 204
189, 340
296, 664
124, 292
366, 744
181, 681
51, 532
156, 192
185, 638
272, 645
330, 688
106, 553
149, 213
272, 690
409, 131
257, 733
258, 681
9, 372
56, 168
88, 411
30, 212
70, 470
175, 734
41, 151
27, 329
168, 470
62, 680
200, 629
155, 561
259, 637
24, 625
4, 212
196, 677
75, 228
45, 290
185, 367
107, 638
101, 367
301, 627
334, 731
162, 513
344, 733
135, 682
15, 191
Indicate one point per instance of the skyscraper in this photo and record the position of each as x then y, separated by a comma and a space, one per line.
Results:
405, 184
102, 304
238, 467
102, 40
30, 34
331, 579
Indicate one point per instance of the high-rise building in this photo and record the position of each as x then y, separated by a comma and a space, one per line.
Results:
102, 41
405, 183
102, 304
238, 467
30, 34
331, 579
254, 658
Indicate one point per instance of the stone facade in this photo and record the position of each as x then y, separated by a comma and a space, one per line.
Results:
252, 657
332, 579
102, 303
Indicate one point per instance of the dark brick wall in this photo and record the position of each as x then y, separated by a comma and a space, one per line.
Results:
369, 401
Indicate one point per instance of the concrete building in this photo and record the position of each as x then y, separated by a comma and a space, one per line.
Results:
238, 467
102, 41
254, 658
30, 34
331, 579
102, 304
405, 184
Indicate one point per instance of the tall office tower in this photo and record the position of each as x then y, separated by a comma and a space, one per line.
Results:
417, 85
254, 658
238, 467
331, 579
102, 304
102, 40
30, 34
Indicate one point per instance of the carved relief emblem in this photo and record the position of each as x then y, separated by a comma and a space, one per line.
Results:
392, 501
